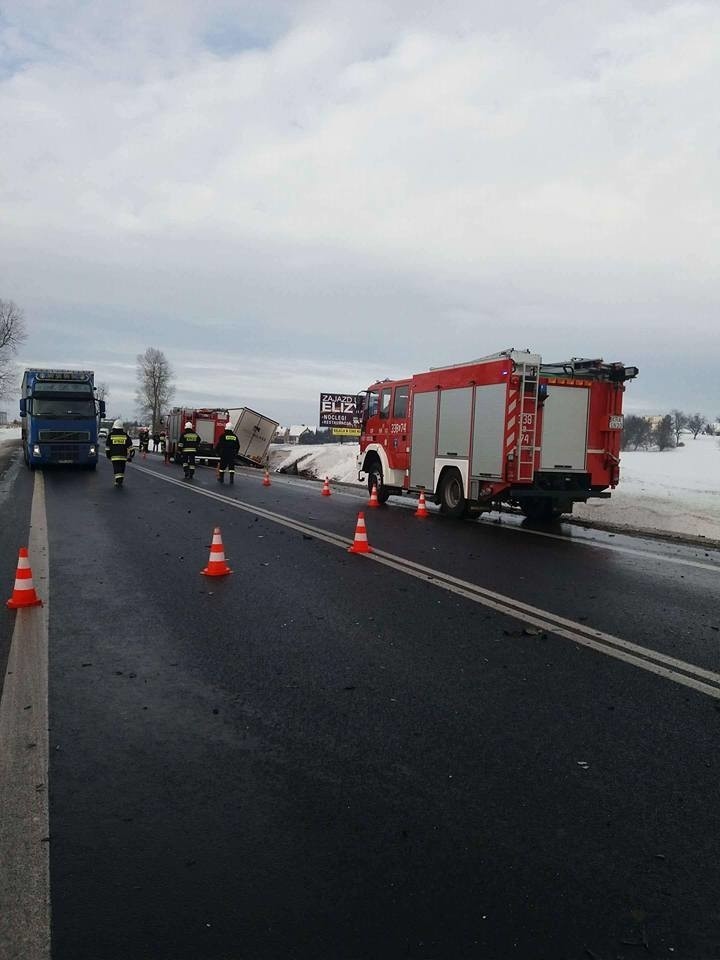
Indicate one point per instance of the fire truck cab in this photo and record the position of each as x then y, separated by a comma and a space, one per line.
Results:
501, 429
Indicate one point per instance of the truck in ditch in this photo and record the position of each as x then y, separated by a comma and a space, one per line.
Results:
254, 432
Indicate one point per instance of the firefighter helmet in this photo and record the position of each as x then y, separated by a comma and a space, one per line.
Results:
188, 425
228, 425
118, 425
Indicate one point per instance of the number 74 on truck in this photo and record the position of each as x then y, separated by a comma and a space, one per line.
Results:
507, 429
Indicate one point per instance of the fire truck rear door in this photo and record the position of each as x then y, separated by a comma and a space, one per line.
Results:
205, 429
564, 431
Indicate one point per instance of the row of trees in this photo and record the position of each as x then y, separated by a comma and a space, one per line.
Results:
640, 433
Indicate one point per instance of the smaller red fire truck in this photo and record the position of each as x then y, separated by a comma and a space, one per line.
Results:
253, 430
209, 424
504, 429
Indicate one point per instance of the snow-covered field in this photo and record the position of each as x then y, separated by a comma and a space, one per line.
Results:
674, 492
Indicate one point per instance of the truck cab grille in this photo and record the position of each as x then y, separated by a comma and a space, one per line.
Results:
64, 436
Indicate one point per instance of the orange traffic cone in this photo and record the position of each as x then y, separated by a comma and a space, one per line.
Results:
326, 491
266, 478
216, 564
24, 593
422, 510
360, 544
373, 501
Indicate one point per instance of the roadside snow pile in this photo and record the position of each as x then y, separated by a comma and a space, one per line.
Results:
9, 433
334, 460
677, 491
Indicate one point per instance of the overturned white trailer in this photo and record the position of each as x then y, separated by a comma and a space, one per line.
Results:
254, 432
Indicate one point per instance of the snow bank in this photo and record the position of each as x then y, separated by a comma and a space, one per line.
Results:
676, 492
334, 460
9, 433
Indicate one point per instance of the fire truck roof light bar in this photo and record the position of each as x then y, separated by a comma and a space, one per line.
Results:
590, 369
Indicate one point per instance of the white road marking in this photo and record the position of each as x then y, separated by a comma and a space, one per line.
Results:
670, 668
24, 806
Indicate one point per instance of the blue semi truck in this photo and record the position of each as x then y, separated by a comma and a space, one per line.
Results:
60, 412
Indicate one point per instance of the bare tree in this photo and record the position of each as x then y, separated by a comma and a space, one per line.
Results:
103, 391
154, 389
679, 422
12, 334
695, 424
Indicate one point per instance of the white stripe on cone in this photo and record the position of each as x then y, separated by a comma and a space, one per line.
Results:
24, 584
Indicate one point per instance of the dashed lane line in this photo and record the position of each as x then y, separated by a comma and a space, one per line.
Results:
662, 665
24, 807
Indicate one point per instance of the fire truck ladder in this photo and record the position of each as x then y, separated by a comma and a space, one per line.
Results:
527, 426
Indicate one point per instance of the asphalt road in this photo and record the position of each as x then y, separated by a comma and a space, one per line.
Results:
333, 756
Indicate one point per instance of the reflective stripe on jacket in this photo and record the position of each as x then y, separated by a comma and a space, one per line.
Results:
189, 441
117, 445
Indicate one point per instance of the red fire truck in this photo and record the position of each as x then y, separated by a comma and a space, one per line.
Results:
504, 429
209, 424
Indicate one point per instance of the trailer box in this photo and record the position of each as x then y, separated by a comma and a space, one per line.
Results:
254, 432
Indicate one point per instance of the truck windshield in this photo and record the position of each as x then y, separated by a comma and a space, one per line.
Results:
63, 408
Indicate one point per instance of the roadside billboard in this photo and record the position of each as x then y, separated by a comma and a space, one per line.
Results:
339, 411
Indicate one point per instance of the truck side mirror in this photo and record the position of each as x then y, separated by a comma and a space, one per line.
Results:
101, 407
23, 408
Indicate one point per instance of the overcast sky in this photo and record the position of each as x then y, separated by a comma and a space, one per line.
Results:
289, 197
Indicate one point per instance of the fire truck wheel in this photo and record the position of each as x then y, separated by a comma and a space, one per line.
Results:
452, 501
375, 478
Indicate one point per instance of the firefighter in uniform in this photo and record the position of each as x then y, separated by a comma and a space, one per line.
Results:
227, 449
188, 446
117, 447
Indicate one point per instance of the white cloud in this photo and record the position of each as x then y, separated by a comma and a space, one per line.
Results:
542, 175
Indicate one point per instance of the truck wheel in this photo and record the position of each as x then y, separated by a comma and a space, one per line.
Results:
452, 501
375, 478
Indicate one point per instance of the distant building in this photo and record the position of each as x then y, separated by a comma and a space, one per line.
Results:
281, 435
3, 418
295, 434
